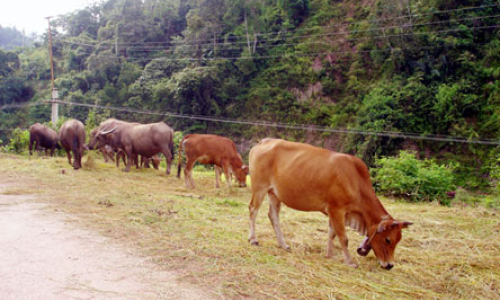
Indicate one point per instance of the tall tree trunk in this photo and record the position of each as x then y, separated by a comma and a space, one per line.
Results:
255, 42
248, 37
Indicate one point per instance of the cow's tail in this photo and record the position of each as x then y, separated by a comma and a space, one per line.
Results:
32, 143
172, 146
179, 167
76, 153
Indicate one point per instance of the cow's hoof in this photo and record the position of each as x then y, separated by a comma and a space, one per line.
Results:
254, 243
352, 265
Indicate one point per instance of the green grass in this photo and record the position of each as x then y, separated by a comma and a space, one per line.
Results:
450, 252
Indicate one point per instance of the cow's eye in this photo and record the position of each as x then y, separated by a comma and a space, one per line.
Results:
388, 241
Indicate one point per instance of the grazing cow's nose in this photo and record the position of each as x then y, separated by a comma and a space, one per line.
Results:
389, 266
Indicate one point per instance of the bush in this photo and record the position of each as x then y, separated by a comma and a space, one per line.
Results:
414, 179
19, 141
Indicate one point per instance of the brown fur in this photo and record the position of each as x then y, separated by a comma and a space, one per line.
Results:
72, 137
42, 136
308, 178
212, 149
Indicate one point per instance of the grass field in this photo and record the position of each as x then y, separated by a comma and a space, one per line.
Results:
449, 253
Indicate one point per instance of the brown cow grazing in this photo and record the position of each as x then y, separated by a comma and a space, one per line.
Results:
42, 136
154, 160
308, 178
212, 149
72, 137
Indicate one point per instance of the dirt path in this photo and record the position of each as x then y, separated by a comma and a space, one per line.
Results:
44, 256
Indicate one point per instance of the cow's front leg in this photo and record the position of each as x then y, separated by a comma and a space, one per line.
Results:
225, 168
130, 159
338, 223
217, 176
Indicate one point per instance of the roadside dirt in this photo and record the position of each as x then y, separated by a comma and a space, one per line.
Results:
43, 255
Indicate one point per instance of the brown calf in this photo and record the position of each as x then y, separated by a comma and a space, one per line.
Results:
212, 149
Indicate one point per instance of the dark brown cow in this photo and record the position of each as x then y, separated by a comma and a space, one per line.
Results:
137, 139
212, 149
42, 136
308, 178
72, 138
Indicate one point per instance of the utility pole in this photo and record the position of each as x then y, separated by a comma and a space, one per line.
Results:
55, 106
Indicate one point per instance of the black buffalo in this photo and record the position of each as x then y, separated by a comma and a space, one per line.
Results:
42, 136
72, 138
136, 139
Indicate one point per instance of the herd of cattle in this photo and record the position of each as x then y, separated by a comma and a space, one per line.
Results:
301, 176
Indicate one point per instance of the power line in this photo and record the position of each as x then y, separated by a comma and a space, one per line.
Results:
307, 127
22, 105
324, 53
188, 43
332, 26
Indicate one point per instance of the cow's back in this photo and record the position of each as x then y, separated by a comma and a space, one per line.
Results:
47, 136
305, 177
213, 148
149, 139
72, 134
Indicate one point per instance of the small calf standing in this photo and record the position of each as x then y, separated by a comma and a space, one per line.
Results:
308, 178
72, 138
212, 149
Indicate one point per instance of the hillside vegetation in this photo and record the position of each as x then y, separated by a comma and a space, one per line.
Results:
426, 68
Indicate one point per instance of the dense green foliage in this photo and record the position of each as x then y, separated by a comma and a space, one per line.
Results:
408, 177
430, 67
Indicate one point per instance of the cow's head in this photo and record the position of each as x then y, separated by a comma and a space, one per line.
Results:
241, 175
383, 240
99, 138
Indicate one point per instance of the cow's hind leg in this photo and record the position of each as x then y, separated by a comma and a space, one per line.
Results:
68, 154
331, 237
337, 221
257, 197
274, 216
168, 159
188, 173
77, 160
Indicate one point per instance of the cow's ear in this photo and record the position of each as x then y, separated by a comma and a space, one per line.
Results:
406, 224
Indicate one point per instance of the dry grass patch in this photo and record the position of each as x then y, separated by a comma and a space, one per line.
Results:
450, 253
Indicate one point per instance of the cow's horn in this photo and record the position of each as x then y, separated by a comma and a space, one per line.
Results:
108, 131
